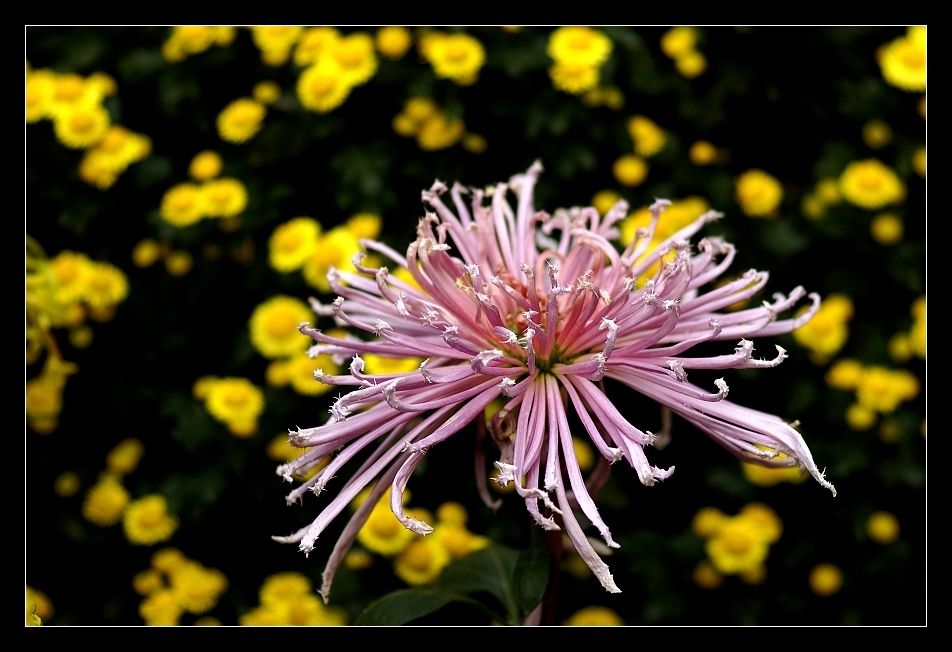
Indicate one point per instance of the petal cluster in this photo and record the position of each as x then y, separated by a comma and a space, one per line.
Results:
541, 311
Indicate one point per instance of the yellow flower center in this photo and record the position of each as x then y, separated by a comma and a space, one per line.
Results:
69, 88
289, 240
456, 52
736, 541
322, 84
182, 201
282, 324
417, 557
349, 55
81, 121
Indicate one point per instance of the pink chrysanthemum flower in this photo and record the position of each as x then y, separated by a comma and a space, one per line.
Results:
540, 310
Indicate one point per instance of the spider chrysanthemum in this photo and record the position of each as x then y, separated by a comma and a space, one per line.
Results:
539, 311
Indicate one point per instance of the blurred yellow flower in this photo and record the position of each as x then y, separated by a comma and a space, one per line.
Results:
758, 193
105, 286
206, 165
225, 197
702, 153
882, 527
292, 243
691, 64
648, 137
456, 56
125, 456
81, 126
393, 41
240, 120
323, 86
886, 229
579, 45
594, 616
355, 57
267, 92
572, 77
182, 205
877, 134
421, 561
237, 403
870, 184
903, 61
105, 501
678, 41
274, 326
630, 170
146, 521
314, 42
825, 579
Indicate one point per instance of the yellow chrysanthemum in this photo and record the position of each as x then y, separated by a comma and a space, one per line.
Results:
903, 63
364, 225
336, 249
146, 521
193, 39
579, 45
276, 42
707, 521
877, 134
105, 285
305, 610
604, 200
383, 533
594, 617
167, 559
355, 57
44, 401
691, 65
870, 184
146, 253
844, 374
886, 229
323, 86
284, 587
393, 41
917, 334
574, 78
758, 193
301, 369
768, 476
763, 518
125, 456
438, 132
883, 389
267, 92
240, 120
292, 243
314, 42
81, 126
882, 527
379, 364
859, 417
457, 56
826, 333
223, 197
161, 609
737, 546
70, 269
825, 579
630, 170
678, 41
178, 263
66, 484
105, 502
40, 88
274, 326
706, 576
38, 603
420, 109
702, 153
182, 205
457, 540
148, 581
236, 402
197, 588
421, 561
919, 162
474, 143
206, 165
648, 137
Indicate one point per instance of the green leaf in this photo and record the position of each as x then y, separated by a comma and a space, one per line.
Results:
530, 577
490, 570
404, 606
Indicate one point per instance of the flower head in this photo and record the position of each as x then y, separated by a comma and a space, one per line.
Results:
240, 120
536, 311
758, 193
579, 45
456, 56
870, 184
147, 521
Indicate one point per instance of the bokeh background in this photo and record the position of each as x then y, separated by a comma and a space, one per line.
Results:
177, 180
